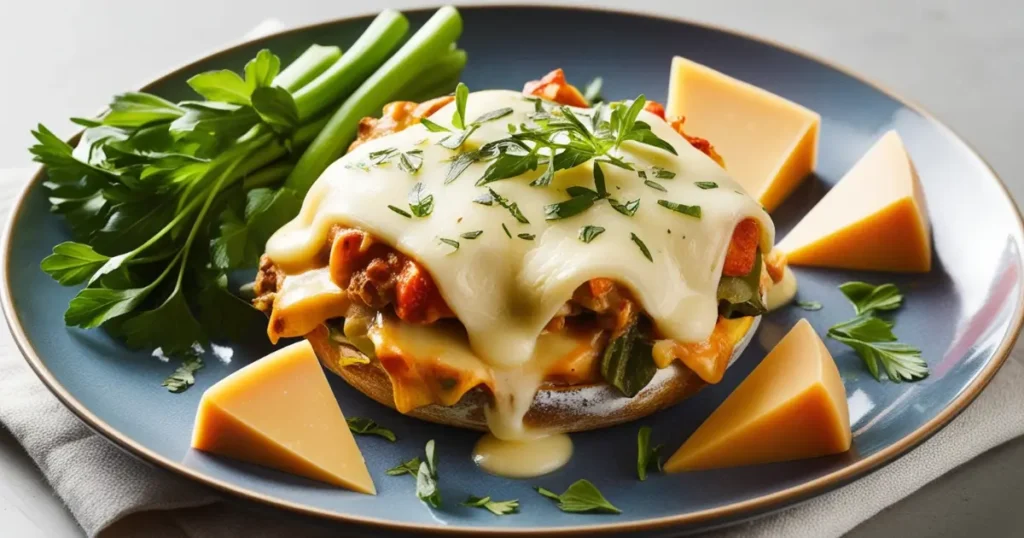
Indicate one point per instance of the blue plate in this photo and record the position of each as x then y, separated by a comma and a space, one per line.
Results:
964, 315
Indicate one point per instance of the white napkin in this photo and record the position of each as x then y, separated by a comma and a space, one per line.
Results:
112, 493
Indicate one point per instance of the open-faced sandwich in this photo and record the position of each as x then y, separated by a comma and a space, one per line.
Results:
523, 262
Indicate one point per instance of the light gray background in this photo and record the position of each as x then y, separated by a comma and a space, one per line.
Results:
962, 60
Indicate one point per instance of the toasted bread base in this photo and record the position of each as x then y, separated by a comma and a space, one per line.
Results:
556, 409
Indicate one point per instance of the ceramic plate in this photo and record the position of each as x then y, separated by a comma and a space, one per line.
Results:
964, 315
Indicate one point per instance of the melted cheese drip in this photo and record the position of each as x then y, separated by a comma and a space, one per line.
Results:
522, 459
505, 290
783, 292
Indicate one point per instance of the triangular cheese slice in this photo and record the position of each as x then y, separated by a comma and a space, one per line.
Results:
769, 144
279, 412
792, 406
875, 218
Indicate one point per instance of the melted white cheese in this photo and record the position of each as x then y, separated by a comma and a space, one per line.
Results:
505, 290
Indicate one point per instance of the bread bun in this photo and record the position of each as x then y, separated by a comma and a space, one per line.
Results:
557, 409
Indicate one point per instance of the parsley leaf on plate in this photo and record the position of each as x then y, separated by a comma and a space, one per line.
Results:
866, 297
646, 455
183, 377
581, 496
498, 508
365, 426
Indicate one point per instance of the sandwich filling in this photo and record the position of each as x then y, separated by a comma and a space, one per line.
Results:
454, 281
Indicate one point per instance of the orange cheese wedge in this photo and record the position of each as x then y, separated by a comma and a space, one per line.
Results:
769, 144
874, 219
792, 406
279, 412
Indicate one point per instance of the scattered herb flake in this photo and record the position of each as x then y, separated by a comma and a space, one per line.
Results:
655, 185
646, 455
410, 467
690, 210
526, 236
662, 173
643, 248
628, 209
503, 227
365, 426
184, 376
590, 232
707, 185
450, 242
400, 211
421, 203
498, 508
866, 297
581, 496
471, 235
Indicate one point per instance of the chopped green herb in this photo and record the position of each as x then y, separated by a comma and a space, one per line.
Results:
365, 426
526, 236
459, 164
599, 185
662, 173
690, 210
646, 455
484, 199
498, 508
450, 242
461, 96
581, 496
656, 186
183, 377
641, 174
809, 305
421, 204
426, 478
410, 467
471, 235
433, 127
866, 297
642, 246
512, 207
568, 208
492, 115
455, 140
410, 161
400, 211
628, 209
503, 227
707, 185
590, 232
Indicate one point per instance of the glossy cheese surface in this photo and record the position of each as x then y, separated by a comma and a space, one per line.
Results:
504, 288
279, 412
874, 219
769, 144
792, 406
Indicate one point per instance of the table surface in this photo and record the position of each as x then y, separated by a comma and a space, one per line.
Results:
960, 59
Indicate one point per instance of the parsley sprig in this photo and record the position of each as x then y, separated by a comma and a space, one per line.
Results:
365, 426
498, 508
581, 496
646, 455
872, 337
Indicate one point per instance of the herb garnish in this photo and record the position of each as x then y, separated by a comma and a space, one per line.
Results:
456, 139
526, 236
590, 232
400, 211
365, 426
809, 305
646, 455
628, 209
512, 207
508, 233
691, 210
498, 508
421, 203
705, 185
183, 377
568, 208
471, 235
662, 173
409, 162
410, 467
450, 242
872, 337
866, 297
642, 246
655, 185
426, 478
461, 96
581, 496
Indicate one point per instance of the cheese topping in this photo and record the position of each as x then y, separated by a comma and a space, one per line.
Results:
504, 290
